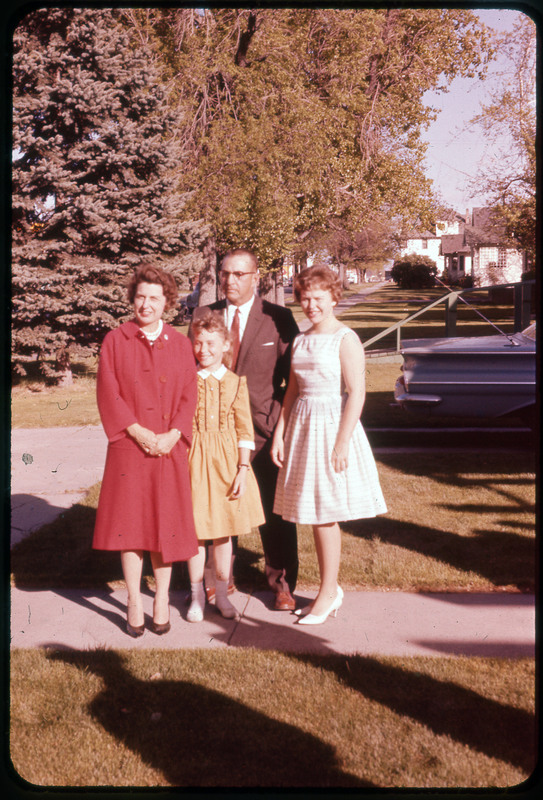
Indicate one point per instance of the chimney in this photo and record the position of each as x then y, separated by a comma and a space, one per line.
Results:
467, 217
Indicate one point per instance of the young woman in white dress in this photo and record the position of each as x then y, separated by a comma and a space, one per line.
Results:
327, 470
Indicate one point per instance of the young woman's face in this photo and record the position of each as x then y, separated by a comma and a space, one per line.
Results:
209, 348
149, 304
317, 304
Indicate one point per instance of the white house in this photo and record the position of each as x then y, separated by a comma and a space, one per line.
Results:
469, 245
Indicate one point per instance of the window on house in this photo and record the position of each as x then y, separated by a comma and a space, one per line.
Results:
425, 244
502, 257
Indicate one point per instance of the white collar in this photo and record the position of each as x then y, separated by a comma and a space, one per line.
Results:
218, 374
243, 309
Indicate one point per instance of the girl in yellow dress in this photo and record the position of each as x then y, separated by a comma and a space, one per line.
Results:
225, 494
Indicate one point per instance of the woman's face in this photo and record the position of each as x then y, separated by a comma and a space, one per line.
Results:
209, 348
149, 305
317, 304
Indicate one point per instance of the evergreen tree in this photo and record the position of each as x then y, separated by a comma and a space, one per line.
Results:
94, 165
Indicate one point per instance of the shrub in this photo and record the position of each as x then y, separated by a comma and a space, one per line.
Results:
414, 272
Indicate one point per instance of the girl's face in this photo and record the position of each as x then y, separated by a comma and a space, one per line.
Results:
209, 348
317, 304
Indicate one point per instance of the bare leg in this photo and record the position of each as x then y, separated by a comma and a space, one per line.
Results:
328, 546
196, 566
132, 565
222, 558
163, 573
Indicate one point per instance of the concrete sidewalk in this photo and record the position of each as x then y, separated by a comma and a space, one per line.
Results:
51, 470
386, 623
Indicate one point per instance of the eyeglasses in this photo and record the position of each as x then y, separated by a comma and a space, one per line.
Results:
225, 273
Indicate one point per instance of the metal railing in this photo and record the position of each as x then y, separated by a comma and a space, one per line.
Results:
522, 297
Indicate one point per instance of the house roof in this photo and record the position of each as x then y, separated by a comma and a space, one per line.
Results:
422, 235
453, 243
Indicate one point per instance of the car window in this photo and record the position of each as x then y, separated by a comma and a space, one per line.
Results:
530, 331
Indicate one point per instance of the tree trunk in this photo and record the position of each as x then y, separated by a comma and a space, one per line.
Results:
208, 275
267, 285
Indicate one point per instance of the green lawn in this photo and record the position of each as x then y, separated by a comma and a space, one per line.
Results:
246, 718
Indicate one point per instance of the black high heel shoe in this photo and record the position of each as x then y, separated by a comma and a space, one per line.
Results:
160, 627
134, 630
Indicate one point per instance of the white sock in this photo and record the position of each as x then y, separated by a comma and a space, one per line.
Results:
198, 601
221, 600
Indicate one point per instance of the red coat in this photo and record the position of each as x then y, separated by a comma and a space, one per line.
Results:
145, 501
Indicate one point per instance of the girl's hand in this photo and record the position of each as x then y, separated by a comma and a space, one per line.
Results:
277, 451
340, 457
240, 483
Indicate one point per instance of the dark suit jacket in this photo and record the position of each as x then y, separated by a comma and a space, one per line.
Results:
264, 358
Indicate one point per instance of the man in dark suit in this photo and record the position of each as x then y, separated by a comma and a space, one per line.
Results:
266, 331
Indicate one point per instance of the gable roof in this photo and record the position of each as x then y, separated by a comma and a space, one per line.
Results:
454, 243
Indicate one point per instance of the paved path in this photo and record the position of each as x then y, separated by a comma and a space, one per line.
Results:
386, 623
52, 467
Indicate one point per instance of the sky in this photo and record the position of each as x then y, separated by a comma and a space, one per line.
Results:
456, 148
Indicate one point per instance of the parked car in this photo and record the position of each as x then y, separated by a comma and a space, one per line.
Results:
470, 376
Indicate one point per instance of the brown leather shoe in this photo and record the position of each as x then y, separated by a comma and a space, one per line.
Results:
284, 601
210, 592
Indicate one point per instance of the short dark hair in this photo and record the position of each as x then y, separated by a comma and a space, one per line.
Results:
321, 276
240, 251
149, 273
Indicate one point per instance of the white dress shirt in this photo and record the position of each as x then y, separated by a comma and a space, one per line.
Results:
243, 315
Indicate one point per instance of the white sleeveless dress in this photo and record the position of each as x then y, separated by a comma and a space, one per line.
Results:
309, 491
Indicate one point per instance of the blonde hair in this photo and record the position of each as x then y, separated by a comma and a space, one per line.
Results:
213, 322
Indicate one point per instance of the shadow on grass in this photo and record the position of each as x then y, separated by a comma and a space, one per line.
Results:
198, 737
503, 558
482, 724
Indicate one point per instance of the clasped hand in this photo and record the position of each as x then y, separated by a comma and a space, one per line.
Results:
154, 444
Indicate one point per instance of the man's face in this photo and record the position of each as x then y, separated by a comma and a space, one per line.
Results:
239, 279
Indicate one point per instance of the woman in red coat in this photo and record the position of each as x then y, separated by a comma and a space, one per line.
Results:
146, 391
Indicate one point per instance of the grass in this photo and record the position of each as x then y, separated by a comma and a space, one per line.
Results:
268, 719
452, 524
35, 406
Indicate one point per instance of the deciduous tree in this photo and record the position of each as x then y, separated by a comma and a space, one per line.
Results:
509, 120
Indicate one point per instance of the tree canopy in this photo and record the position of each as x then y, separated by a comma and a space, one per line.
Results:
295, 117
173, 131
510, 179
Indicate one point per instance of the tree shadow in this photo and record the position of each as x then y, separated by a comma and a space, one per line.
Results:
447, 709
502, 557
198, 737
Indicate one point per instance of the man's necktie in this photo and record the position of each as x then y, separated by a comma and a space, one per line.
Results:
234, 330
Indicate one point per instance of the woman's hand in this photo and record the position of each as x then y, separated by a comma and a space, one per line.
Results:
340, 457
277, 451
165, 443
145, 438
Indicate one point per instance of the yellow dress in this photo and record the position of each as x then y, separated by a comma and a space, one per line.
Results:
221, 424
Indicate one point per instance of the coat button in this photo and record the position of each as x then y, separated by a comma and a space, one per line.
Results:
159, 345
166, 417
162, 379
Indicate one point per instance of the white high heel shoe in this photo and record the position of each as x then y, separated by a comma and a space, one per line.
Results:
314, 619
